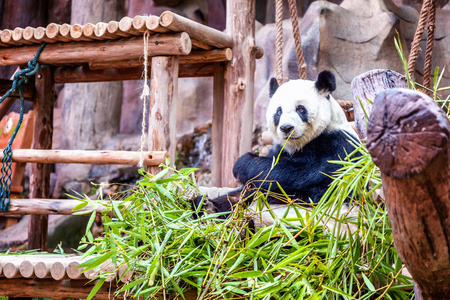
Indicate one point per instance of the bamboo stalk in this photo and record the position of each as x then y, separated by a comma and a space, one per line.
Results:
195, 57
196, 30
152, 23
126, 25
47, 207
54, 32
84, 74
113, 28
82, 52
101, 157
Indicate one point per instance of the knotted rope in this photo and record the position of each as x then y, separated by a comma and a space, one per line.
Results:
144, 97
297, 38
279, 39
20, 78
427, 13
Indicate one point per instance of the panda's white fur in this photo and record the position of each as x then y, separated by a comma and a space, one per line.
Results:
324, 114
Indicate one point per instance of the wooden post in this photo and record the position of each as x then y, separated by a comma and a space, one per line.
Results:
364, 89
408, 138
217, 125
239, 83
42, 139
163, 104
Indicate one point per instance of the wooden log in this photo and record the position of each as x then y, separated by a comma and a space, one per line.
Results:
408, 138
197, 31
27, 88
40, 36
364, 89
113, 28
239, 86
63, 289
76, 33
98, 157
126, 25
101, 31
64, 31
217, 124
209, 56
163, 104
11, 269
47, 207
1, 43
42, 139
152, 24
58, 270
73, 272
42, 269
82, 52
139, 23
17, 36
89, 31
28, 34
6, 37
26, 268
54, 32
196, 44
84, 74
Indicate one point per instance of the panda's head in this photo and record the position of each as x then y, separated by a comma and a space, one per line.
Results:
300, 110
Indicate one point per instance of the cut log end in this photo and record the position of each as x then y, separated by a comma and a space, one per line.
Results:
406, 131
166, 18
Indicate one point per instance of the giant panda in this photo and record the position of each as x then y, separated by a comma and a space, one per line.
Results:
309, 129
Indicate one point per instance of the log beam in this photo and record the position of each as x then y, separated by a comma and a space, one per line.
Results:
47, 207
195, 57
84, 52
197, 31
163, 104
239, 86
217, 124
97, 157
408, 138
42, 139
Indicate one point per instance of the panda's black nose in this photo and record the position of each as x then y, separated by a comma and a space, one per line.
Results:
286, 128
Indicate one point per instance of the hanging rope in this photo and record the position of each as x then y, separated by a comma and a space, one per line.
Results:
20, 78
427, 14
429, 48
297, 38
144, 97
279, 41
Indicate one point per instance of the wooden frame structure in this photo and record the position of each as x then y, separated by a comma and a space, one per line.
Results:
112, 51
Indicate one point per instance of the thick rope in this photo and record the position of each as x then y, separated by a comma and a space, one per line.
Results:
144, 97
20, 78
279, 41
415, 46
298, 41
429, 49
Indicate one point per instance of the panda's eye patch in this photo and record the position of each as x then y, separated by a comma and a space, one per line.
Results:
300, 109
279, 111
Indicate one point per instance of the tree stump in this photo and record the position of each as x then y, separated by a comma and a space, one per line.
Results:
408, 137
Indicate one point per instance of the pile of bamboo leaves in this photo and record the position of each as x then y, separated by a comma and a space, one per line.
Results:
169, 252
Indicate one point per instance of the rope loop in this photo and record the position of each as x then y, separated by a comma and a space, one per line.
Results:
20, 78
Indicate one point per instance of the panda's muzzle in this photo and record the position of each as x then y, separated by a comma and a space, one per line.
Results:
286, 129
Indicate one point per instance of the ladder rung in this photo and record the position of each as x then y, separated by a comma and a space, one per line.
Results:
96, 157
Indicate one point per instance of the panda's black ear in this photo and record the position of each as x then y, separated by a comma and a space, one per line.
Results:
273, 86
326, 82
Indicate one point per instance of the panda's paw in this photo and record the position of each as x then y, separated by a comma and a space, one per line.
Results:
207, 206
